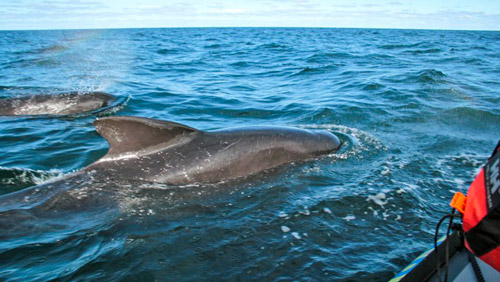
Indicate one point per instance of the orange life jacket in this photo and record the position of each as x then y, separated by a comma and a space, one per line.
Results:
481, 212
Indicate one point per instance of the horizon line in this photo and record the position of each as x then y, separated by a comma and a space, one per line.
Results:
268, 27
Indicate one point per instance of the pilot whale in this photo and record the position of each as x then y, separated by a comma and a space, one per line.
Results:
167, 152
143, 150
150, 150
56, 104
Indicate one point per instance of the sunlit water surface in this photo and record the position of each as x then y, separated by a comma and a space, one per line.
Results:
418, 112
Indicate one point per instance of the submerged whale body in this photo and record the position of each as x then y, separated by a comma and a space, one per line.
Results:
143, 149
167, 152
57, 104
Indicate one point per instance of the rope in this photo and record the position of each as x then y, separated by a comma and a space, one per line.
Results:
450, 216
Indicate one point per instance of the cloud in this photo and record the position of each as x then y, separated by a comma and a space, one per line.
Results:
50, 14
86, 14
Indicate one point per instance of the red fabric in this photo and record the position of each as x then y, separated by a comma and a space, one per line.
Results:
492, 258
476, 209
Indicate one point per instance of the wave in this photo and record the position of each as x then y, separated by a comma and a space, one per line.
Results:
472, 117
241, 64
374, 86
328, 57
416, 110
274, 46
426, 76
171, 51
400, 46
213, 46
430, 76
309, 70
14, 179
426, 51
316, 70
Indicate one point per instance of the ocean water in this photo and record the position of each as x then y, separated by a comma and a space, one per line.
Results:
418, 111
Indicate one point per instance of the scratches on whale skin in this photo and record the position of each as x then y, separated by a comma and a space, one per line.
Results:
118, 158
170, 156
230, 145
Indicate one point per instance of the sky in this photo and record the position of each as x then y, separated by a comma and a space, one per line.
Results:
404, 14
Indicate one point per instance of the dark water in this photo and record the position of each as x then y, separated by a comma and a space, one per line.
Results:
418, 111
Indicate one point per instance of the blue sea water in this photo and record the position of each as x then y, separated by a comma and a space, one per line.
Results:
418, 111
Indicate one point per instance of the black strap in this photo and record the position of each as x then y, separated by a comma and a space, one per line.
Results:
475, 267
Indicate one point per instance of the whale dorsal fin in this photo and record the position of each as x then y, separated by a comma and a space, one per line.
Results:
127, 134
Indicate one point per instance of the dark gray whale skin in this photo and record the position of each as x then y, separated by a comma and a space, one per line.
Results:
70, 103
143, 149
151, 150
167, 152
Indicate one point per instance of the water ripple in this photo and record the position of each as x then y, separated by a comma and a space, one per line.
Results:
416, 110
